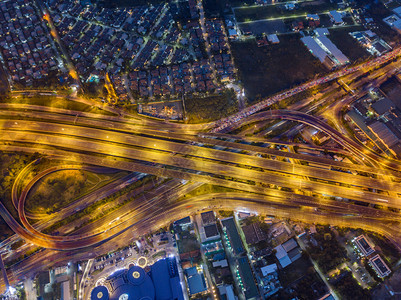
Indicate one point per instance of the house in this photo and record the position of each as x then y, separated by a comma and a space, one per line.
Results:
379, 266
336, 17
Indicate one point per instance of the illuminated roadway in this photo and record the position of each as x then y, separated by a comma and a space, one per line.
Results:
211, 165
208, 161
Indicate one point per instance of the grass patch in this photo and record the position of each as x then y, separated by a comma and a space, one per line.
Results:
296, 271
390, 252
160, 254
210, 108
347, 44
10, 165
89, 211
349, 288
226, 213
57, 103
208, 189
329, 253
268, 70
187, 242
59, 189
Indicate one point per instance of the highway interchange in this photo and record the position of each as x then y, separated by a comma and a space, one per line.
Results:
205, 153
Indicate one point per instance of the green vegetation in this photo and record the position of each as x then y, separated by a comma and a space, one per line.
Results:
378, 11
244, 14
52, 101
20, 292
296, 270
10, 165
328, 253
28, 253
386, 247
302, 279
268, 70
187, 242
347, 44
226, 213
92, 208
159, 254
210, 108
208, 189
17, 244
59, 189
349, 289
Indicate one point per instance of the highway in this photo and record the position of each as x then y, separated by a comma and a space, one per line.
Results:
118, 126
211, 166
98, 140
163, 146
73, 242
192, 153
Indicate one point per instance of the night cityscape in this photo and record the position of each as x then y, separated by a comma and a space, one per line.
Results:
200, 149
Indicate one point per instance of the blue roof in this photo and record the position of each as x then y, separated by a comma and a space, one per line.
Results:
233, 235
219, 256
100, 293
176, 288
162, 283
136, 275
191, 271
251, 291
196, 284
134, 282
161, 279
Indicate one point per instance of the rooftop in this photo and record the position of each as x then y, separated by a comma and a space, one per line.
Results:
233, 235
208, 217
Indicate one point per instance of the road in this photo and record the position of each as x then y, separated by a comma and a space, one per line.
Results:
130, 143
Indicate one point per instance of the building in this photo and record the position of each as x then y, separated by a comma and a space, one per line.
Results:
314, 48
227, 291
232, 237
100, 293
364, 246
321, 31
160, 283
328, 45
268, 269
288, 252
272, 38
208, 218
371, 42
323, 49
211, 231
247, 281
394, 22
196, 281
269, 281
397, 11
382, 106
379, 266
253, 233
386, 136
65, 290
220, 263
336, 17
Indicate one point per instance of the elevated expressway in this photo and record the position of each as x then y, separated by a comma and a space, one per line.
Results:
159, 147
127, 151
163, 205
128, 144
